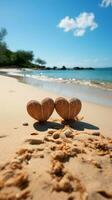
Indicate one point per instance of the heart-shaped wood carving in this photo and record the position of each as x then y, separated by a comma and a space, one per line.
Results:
40, 111
68, 110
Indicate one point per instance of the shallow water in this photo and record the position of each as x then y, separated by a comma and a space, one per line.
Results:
93, 93
100, 77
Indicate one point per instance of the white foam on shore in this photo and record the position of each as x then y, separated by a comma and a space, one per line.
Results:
89, 83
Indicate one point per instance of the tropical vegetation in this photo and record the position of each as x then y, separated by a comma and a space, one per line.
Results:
19, 58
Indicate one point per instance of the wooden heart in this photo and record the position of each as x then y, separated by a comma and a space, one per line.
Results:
67, 109
40, 111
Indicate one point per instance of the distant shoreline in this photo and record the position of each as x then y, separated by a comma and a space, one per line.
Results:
37, 67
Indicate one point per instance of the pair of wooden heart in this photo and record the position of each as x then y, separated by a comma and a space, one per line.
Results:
68, 110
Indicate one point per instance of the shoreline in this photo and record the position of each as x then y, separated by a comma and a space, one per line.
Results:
29, 72
86, 93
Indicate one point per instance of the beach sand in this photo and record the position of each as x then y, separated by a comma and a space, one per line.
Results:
53, 160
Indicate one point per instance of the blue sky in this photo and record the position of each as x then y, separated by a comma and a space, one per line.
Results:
63, 32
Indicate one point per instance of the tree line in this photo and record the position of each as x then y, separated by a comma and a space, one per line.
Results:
24, 59
20, 58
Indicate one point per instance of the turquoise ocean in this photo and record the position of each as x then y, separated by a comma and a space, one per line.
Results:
98, 76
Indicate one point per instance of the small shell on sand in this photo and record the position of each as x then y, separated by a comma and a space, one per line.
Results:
68, 133
48, 139
25, 124
62, 136
34, 141
34, 133
56, 135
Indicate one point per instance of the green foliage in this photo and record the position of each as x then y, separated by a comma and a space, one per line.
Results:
22, 58
40, 61
5, 56
4, 52
3, 33
19, 58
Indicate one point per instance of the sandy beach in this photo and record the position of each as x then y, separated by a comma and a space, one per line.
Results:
52, 160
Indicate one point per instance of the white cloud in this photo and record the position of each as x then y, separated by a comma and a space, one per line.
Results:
85, 20
67, 24
79, 32
106, 3
80, 24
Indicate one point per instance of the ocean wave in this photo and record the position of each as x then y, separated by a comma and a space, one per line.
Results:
89, 83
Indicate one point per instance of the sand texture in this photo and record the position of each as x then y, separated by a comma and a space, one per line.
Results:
60, 164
